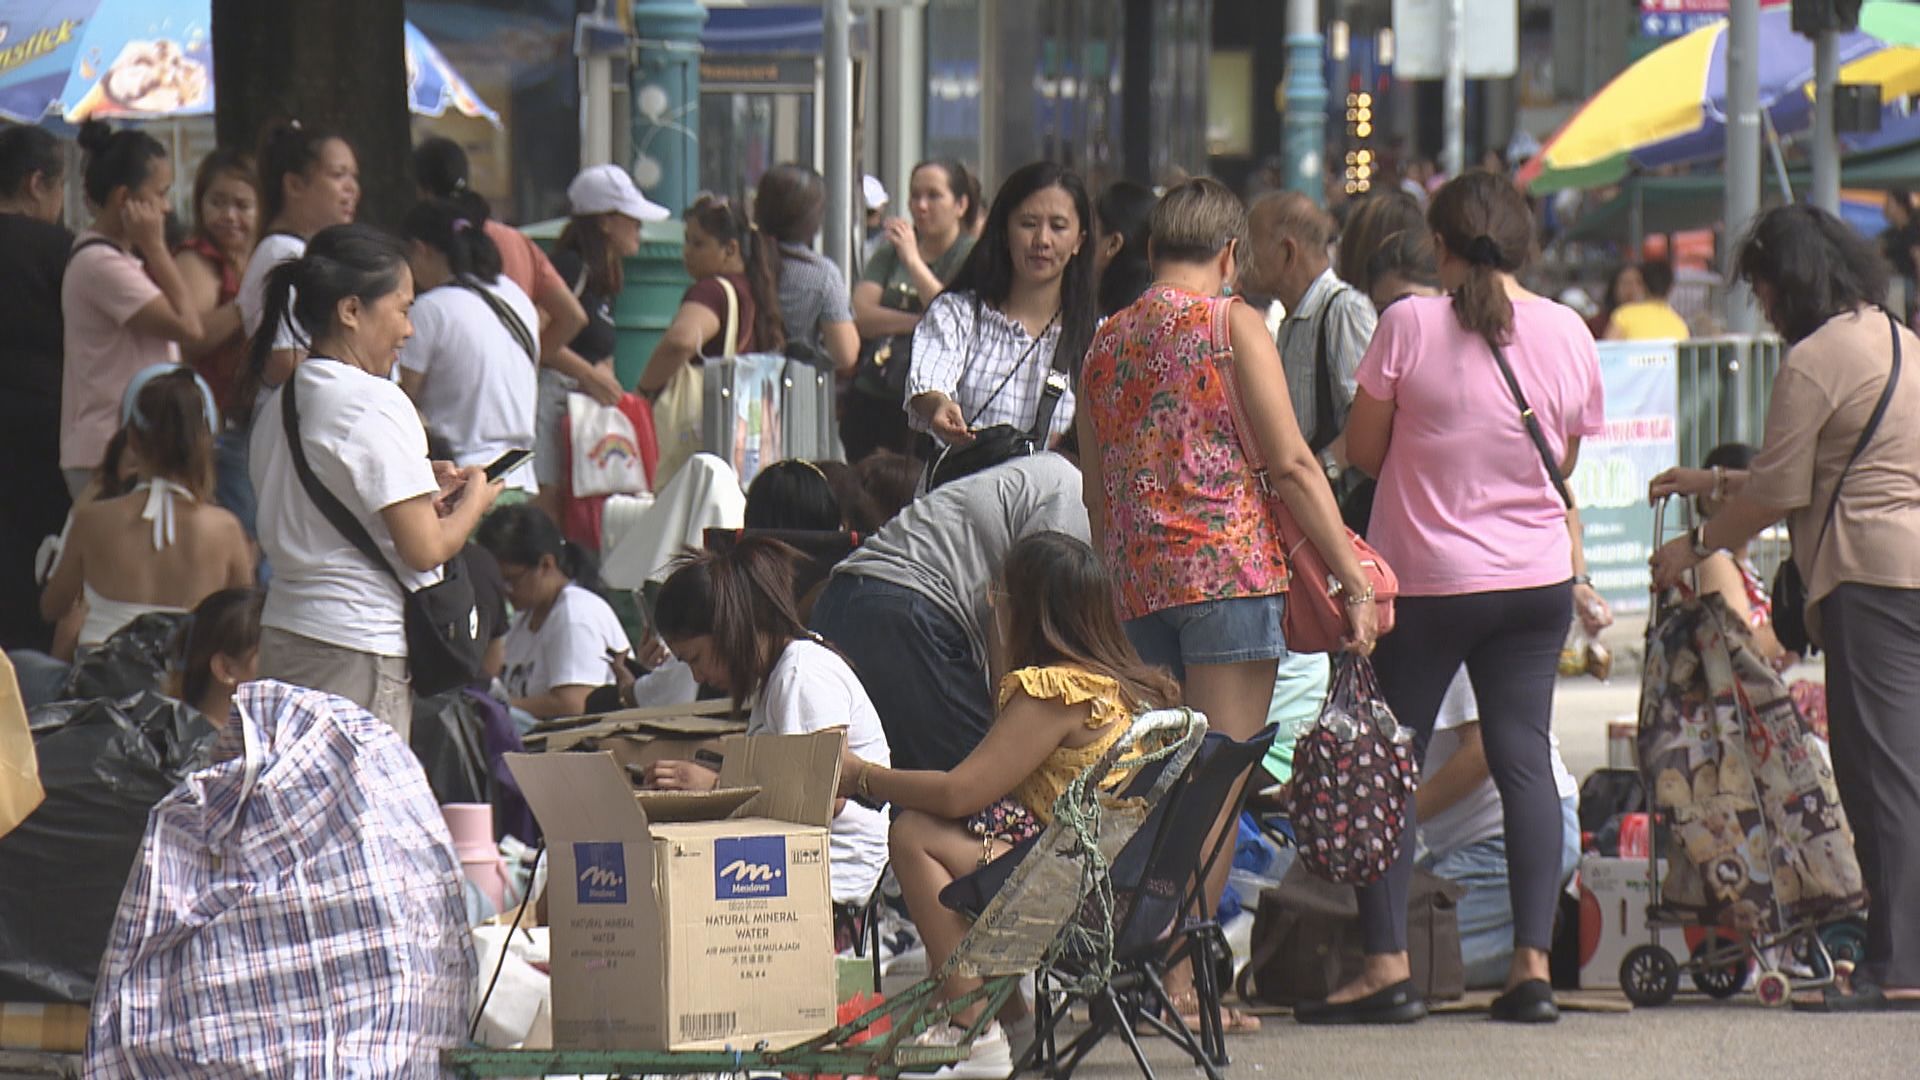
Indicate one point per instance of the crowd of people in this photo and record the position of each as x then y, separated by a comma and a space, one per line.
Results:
289, 397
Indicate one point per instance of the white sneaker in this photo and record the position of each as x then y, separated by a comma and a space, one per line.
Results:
990, 1057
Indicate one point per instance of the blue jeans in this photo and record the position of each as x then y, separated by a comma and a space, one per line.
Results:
1486, 911
233, 487
1231, 631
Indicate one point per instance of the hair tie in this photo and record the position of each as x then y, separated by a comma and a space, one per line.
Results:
294, 123
130, 414
1482, 251
461, 225
460, 185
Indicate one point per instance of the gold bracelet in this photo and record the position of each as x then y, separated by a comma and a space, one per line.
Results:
1360, 600
864, 783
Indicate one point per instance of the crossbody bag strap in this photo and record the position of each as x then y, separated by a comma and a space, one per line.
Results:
331, 508
514, 324
1020, 363
732, 340
1532, 423
1866, 436
1053, 387
1225, 366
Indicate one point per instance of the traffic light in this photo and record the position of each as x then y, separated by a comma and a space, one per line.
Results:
1360, 161
1812, 17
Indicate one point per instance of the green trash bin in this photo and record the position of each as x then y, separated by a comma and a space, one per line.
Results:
656, 280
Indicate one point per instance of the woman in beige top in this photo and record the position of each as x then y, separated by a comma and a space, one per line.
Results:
1857, 545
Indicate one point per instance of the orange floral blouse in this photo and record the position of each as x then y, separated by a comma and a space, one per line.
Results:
1184, 523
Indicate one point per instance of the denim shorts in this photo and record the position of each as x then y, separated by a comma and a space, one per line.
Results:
1231, 631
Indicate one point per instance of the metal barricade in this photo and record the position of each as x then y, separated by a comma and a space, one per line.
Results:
1725, 385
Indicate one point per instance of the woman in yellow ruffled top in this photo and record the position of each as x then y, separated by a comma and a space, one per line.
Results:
1074, 686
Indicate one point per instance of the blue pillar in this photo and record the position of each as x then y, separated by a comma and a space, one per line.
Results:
1306, 88
666, 100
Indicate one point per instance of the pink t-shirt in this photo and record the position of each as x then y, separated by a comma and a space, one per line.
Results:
1465, 504
103, 288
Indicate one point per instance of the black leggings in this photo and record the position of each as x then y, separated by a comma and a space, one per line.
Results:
1510, 642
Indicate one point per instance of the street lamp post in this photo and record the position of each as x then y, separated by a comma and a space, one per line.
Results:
1826, 141
1743, 151
1306, 120
666, 100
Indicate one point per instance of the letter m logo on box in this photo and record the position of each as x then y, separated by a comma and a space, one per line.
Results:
601, 871
749, 867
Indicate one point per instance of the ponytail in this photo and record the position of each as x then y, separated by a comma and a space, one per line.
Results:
763, 259
744, 600
456, 228
723, 220
305, 293
1485, 223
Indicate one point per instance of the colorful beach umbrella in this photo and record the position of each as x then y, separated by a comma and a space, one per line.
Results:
68, 60
1892, 21
1669, 108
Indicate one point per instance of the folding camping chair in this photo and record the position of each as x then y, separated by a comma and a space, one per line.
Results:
1161, 877
1035, 917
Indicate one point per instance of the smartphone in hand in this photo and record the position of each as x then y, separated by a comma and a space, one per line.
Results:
507, 462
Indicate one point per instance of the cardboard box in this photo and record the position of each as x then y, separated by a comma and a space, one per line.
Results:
639, 737
711, 930
1614, 894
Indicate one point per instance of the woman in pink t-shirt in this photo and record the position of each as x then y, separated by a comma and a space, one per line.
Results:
1468, 516
124, 303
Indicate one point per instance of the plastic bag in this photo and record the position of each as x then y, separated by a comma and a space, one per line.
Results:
1353, 775
104, 764
296, 910
449, 738
134, 659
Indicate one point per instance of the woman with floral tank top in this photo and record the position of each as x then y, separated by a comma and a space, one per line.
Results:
1173, 502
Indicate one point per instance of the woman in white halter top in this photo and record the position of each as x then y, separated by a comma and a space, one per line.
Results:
164, 546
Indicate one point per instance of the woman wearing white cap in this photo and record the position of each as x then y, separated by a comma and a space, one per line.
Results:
590, 256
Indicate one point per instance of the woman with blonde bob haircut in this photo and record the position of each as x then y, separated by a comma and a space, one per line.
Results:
1199, 575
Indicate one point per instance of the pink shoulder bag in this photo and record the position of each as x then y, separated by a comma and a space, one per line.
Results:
1314, 619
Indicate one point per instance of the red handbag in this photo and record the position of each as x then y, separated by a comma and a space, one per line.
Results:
1314, 620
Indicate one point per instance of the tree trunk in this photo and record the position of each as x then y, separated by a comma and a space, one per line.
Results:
339, 65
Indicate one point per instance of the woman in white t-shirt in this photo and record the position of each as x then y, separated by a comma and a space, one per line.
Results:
472, 363
731, 617
334, 620
309, 180
563, 634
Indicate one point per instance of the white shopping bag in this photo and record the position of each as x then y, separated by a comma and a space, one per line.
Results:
606, 449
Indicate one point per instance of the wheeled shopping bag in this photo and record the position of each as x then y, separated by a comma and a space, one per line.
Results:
1749, 838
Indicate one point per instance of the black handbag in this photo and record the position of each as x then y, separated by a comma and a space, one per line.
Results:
881, 371
1789, 588
998, 443
444, 648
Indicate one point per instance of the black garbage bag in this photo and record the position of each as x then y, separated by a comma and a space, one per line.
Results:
450, 739
104, 765
134, 659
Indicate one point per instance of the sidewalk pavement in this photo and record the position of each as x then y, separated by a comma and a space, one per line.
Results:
1692, 1039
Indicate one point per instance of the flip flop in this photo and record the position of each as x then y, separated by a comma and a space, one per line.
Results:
1232, 1020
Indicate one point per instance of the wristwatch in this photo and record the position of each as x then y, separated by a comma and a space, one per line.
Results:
1582, 579
1333, 469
